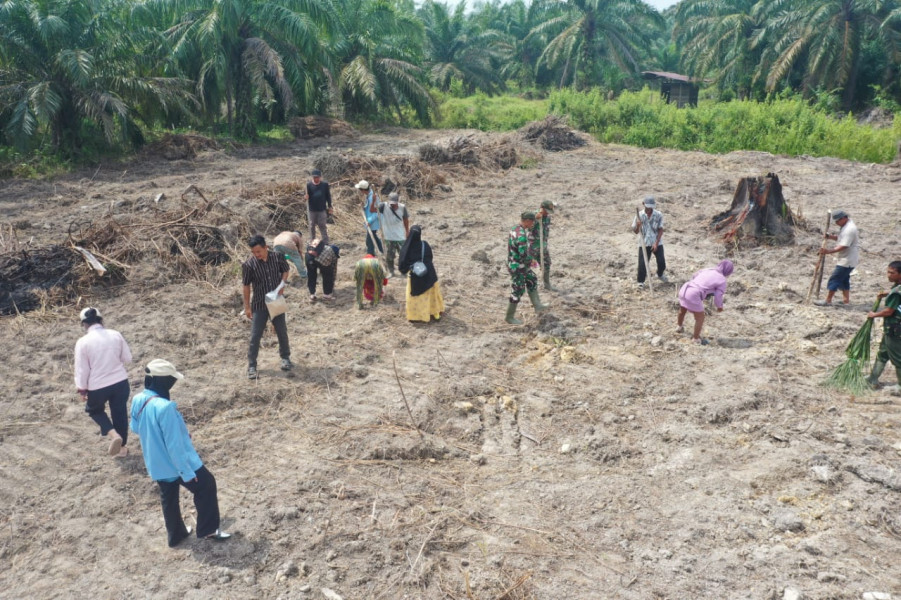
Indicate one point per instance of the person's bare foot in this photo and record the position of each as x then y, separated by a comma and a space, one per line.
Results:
123, 452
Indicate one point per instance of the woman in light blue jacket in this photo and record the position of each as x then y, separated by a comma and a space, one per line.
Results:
170, 456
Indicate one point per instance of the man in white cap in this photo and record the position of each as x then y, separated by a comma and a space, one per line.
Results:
100, 377
848, 250
170, 457
371, 212
650, 222
396, 220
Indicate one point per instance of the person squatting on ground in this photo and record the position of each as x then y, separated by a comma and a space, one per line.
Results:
848, 249
264, 271
424, 300
170, 457
539, 237
369, 277
693, 293
322, 259
396, 222
371, 213
290, 245
890, 346
650, 220
519, 263
319, 204
100, 377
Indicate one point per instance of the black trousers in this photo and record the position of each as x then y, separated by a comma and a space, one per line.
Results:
378, 241
661, 262
206, 501
328, 277
117, 396
258, 326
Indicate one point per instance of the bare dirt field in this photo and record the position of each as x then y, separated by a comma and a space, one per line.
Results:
589, 453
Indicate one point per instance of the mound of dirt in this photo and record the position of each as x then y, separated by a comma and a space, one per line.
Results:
315, 126
552, 133
180, 146
30, 279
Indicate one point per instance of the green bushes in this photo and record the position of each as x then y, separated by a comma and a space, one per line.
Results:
489, 113
781, 126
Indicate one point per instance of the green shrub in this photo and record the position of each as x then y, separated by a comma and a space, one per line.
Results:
489, 113
785, 125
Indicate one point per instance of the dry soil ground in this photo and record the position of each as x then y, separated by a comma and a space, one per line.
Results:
590, 453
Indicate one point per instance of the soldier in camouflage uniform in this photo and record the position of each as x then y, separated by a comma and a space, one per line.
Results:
890, 347
539, 237
519, 263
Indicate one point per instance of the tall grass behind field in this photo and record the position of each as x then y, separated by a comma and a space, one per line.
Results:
783, 126
490, 113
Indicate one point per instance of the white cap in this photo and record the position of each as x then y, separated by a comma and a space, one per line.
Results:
162, 368
363, 185
649, 202
87, 314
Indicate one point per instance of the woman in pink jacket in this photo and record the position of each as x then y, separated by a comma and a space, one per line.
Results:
100, 377
704, 283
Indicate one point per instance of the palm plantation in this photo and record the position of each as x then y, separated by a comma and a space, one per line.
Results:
72, 70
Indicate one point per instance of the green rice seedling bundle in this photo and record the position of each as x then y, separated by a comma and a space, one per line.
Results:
850, 375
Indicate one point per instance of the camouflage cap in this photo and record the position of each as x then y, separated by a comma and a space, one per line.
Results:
549, 205
527, 215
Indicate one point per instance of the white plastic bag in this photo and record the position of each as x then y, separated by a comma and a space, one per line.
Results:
275, 303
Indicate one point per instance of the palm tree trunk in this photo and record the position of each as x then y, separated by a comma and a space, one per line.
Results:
565, 71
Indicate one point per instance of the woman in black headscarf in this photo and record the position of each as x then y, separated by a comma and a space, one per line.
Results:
424, 300
321, 258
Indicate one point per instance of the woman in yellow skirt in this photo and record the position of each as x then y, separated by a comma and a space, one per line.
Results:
424, 301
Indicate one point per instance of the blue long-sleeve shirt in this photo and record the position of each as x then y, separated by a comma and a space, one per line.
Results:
165, 442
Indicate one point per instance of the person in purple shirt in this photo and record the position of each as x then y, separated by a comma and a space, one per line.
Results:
100, 378
704, 283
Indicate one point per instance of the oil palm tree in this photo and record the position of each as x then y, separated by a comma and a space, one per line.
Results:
716, 37
376, 47
517, 20
589, 35
254, 54
65, 63
819, 42
457, 49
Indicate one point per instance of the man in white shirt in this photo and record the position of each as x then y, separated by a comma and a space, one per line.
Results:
848, 249
101, 378
396, 227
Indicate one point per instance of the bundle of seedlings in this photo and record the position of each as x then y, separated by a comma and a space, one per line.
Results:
850, 375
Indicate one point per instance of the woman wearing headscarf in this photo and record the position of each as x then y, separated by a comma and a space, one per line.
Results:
424, 300
704, 283
321, 258
370, 279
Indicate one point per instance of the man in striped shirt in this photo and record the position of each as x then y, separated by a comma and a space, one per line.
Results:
264, 271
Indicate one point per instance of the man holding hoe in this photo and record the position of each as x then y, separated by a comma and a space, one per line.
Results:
520, 260
848, 249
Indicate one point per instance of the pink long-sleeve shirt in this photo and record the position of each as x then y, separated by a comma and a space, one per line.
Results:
710, 281
100, 358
